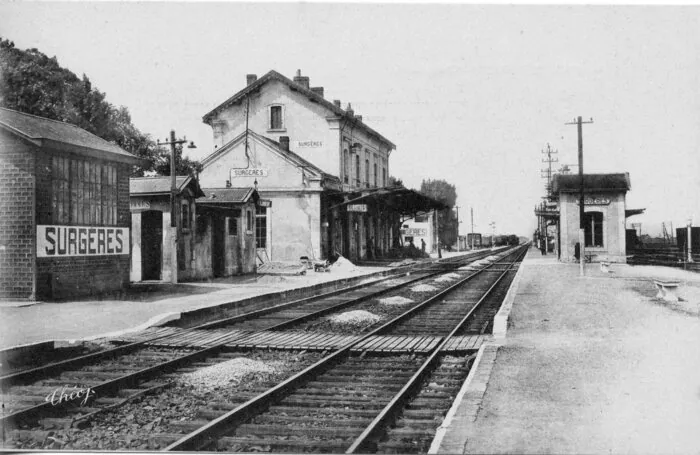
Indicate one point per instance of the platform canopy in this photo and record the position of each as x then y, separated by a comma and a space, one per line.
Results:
401, 200
632, 212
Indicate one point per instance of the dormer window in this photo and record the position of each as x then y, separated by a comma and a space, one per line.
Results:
276, 117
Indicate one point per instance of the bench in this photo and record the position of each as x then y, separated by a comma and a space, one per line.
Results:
667, 290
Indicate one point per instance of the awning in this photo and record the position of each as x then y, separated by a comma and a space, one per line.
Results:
632, 212
403, 201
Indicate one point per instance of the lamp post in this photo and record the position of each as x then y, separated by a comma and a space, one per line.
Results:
493, 234
174, 218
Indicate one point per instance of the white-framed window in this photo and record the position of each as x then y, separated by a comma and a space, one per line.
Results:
367, 167
261, 227
593, 229
376, 172
276, 117
249, 222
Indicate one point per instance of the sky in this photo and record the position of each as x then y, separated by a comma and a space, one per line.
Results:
469, 93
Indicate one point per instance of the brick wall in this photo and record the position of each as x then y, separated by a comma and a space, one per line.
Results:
17, 186
64, 278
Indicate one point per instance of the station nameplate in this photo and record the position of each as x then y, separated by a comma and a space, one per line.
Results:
249, 172
309, 144
66, 241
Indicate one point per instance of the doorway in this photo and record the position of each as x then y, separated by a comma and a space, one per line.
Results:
151, 244
218, 246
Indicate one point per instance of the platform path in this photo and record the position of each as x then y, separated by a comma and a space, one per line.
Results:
589, 365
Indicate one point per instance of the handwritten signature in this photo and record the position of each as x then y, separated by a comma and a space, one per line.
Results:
65, 394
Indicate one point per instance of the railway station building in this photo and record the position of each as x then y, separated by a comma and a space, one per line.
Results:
64, 200
213, 234
605, 215
319, 165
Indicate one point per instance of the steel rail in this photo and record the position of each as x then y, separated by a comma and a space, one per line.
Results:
110, 386
368, 439
202, 437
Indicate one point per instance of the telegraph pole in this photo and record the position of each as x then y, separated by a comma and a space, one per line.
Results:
174, 219
472, 210
581, 236
457, 208
547, 173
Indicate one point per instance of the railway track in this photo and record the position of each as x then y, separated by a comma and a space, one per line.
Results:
325, 407
107, 379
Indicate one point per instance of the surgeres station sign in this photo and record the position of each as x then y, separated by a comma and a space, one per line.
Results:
65, 241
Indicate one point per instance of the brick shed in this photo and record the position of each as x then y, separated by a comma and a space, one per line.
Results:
64, 210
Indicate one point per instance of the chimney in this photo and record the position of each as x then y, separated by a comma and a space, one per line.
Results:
284, 143
349, 111
301, 80
318, 91
337, 103
359, 118
250, 78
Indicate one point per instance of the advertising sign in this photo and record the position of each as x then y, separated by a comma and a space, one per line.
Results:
357, 208
66, 241
139, 204
264, 203
414, 231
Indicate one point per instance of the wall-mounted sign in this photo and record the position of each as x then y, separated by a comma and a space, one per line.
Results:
139, 204
357, 207
414, 231
309, 144
264, 203
65, 241
252, 172
596, 201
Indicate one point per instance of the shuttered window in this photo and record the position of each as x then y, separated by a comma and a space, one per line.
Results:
83, 192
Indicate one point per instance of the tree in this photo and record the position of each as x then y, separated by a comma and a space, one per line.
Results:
395, 181
446, 193
33, 83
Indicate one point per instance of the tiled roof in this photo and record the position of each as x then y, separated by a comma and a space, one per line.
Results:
47, 132
160, 185
569, 183
225, 195
272, 74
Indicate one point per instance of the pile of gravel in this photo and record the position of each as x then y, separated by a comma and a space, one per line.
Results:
423, 288
356, 317
343, 265
396, 300
447, 277
229, 373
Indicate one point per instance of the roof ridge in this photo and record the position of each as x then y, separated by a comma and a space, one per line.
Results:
306, 91
46, 119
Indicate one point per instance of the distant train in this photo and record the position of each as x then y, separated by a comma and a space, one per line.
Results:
503, 240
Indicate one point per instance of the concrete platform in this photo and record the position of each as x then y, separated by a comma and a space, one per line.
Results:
592, 364
150, 304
